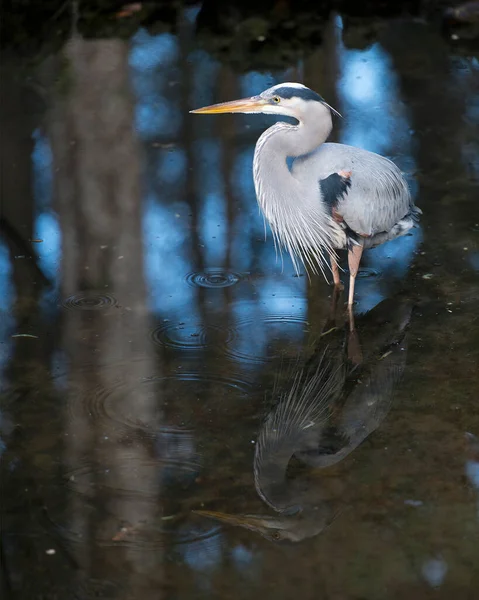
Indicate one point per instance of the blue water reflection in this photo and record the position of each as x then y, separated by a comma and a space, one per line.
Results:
42, 170
474, 260
151, 51
204, 555
172, 166
242, 175
204, 70
376, 120
254, 82
7, 321
47, 229
156, 117
243, 558
154, 70
464, 71
251, 84
434, 571
208, 153
46, 224
472, 465
168, 256
212, 228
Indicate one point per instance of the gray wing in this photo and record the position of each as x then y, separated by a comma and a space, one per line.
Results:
378, 197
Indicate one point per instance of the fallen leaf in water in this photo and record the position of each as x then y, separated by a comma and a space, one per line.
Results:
124, 531
128, 9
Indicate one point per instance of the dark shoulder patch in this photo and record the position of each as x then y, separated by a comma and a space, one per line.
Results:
333, 440
334, 188
293, 92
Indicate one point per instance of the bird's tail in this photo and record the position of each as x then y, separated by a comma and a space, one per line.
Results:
415, 213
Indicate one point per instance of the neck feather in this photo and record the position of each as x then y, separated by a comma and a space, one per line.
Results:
270, 466
299, 220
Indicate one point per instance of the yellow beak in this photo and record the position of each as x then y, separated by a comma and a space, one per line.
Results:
245, 105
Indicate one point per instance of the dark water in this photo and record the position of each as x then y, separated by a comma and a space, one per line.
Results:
147, 329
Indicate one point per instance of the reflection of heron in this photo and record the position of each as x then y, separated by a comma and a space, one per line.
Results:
334, 196
332, 405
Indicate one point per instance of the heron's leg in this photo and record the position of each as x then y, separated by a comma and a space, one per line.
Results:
335, 270
355, 353
334, 301
354, 258
330, 324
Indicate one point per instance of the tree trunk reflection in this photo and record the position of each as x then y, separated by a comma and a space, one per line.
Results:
112, 419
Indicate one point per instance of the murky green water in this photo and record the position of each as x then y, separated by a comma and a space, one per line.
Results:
147, 332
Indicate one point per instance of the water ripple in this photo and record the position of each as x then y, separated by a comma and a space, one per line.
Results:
366, 272
89, 301
119, 403
133, 442
274, 336
152, 529
190, 336
213, 278
97, 588
140, 472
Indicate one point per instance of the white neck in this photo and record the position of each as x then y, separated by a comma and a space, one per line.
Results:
298, 219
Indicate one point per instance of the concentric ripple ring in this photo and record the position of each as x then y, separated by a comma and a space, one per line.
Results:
213, 278
89, 301
190, 336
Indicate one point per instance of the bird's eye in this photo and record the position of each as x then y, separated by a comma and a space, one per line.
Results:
276, 536
276, 99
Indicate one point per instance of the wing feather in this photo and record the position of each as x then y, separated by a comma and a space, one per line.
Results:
378, 197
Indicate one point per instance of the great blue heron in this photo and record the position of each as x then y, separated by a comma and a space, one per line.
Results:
333, 196
329, 409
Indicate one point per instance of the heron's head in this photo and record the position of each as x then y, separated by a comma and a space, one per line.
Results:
286, 99
281, 528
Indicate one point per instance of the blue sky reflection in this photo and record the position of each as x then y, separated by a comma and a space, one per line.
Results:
172, 166
47, 228
204, 70
167, 249
465, 71
213, 230
154, 70
151, 51
7, 321
376, 120
42, 161
156, 117
46, 224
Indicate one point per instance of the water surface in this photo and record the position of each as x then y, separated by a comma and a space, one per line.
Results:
148, 328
